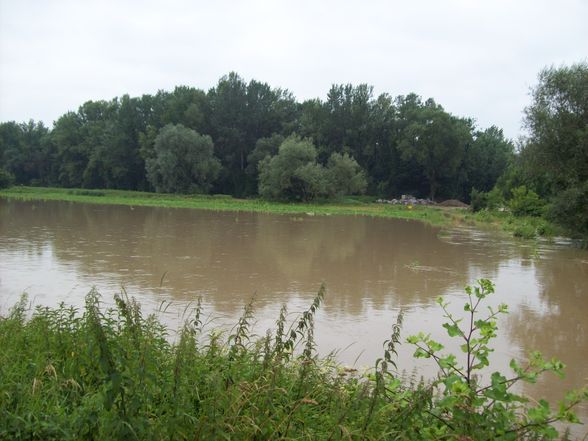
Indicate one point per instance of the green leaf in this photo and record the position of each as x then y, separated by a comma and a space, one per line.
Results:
447, 362
452, 329
421, 353
434, 346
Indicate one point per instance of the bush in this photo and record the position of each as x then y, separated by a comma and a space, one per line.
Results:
113, 373
470, 409
570, 209
6, 179
524, 231
478, 200
295, 174
491, 200
525, 202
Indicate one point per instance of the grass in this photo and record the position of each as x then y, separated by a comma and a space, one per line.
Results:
360, 205
525, 227
521, 227
119, 375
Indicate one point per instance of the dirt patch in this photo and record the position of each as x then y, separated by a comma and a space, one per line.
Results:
452, 203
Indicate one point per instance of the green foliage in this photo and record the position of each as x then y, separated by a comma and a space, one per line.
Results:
114, 373
392, 146
469, 409
570, 209
525, 202
183, 161
6, 179
433, 139
557, 121
491, 200
284, 175
524, 231
487, 158
27, 153
263, 147
345, 176
294, 174
554, 155
309, 181
478, 200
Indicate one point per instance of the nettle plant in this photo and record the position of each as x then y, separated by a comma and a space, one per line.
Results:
468, 408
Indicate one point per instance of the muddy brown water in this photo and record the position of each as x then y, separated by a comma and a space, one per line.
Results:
372, 268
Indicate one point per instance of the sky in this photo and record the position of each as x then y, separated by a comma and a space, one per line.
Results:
477, 59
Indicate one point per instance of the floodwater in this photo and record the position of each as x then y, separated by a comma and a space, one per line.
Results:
372, 268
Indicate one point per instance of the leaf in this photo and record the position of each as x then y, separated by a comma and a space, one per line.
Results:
452, 329
434, 346
421, 353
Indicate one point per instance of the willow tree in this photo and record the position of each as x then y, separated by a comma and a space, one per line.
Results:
182, 161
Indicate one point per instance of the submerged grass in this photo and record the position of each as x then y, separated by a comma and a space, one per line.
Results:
113, 373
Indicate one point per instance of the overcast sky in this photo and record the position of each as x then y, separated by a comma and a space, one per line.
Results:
476, 58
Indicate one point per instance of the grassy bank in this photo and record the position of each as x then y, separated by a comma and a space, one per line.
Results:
114, 374
525, 227
344, 206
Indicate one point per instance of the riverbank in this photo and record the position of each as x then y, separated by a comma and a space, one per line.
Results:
523, 227
115, 374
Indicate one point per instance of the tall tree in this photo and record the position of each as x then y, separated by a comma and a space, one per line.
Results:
436, 141
556, 150
240, 114
183, 161
557, 123
26, 152
72, 155
485, 160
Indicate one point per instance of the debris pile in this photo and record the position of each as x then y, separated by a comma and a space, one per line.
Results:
406, 199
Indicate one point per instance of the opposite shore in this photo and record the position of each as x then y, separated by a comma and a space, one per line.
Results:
524, 227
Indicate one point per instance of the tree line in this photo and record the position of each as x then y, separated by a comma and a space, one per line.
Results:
248, 138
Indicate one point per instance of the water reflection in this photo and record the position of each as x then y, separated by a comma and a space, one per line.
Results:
372, 267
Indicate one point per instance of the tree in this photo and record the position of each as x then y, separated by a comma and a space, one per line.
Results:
72, 154
436, 141
292, 173
345, 176
263, 147
555, 153
557, 122
240, 114
182, 161
486, 159
26, 152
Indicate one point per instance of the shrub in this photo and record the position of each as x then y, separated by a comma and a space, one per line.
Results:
469, 409
525, 202
113, 373
294, 173
570, 209
478, 200
524, 231
491, 200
